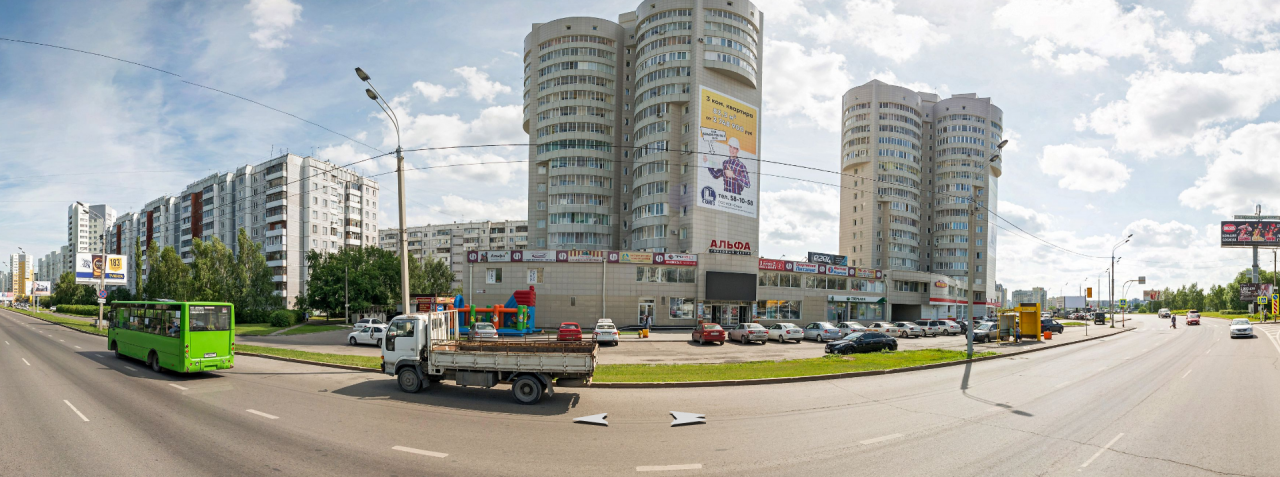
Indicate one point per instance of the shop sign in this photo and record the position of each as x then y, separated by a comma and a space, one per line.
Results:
940, 284
806, 267
829, 259
855, 299
866, 273
644, 258
730, 247
579, 256
686, 259
837, 270
536, 255
779, 265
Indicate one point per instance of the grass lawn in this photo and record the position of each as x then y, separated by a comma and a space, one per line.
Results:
1214, 314
1072, 323
256, 329
68, 322
669, 373
306, 329
372, 362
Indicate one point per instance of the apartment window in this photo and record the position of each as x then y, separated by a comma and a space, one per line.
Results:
542, 243
542, 187
493, 275
542, 224
542, 205
573, 301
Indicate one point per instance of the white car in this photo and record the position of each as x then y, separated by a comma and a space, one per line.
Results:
821, 331
1241, 327
371, 334
365, 322
605, 332
847, 327
482, 330
950, 327
883, 327
904, 329
928, 327
785, 331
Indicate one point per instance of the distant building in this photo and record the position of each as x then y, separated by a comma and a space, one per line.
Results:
451, 242
1003, 295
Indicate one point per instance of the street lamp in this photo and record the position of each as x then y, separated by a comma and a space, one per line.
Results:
1112, 278
973, 210
102, 278
404, 229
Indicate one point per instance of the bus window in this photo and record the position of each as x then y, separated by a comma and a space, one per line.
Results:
209, 318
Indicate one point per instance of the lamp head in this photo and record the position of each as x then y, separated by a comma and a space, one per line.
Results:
998, 146
361, 74
372, 95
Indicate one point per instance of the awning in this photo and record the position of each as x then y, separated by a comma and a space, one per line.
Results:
855, 299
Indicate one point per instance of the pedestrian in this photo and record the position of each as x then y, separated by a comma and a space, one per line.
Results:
1173, 321
1017, 331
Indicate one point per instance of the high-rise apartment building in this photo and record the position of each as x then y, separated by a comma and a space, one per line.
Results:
85, 226
289, 205
21, 271
451, 242
1002, 296
646, 131
911, 164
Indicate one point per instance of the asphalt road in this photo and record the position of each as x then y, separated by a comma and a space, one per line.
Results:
1155, 401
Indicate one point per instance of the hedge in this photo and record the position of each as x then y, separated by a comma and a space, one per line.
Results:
80, 310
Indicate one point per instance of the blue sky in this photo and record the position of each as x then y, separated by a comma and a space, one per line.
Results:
1153, 118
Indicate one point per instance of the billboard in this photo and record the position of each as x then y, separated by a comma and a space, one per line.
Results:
1251, 291
728, 165
1074, 302
1250, 233
41, 288
1151, 295
829, 259
90, 269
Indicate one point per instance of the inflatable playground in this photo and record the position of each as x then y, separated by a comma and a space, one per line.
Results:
513, 318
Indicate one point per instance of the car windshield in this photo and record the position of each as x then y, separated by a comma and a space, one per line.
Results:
1240, 321
484, 326
825, 326
604, 326
854, 336
710, 326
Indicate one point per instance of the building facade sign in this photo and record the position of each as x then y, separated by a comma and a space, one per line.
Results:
643, 258
778, 265
866, 273
686, 259
837, 270
829, 259
855, 299
730, 247
728, 164
806, 267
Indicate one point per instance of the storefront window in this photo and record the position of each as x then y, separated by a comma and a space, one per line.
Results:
778, 279
837, 311
778, 310
863, 285
682, 308
665, 275
825, 283
867, 311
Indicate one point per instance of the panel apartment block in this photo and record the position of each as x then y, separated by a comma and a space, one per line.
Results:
450, 242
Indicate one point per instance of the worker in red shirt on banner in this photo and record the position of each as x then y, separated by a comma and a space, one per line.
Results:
733, 171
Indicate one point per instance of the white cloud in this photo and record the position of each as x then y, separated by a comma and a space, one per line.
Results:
461, 209
478, 84
1164, 111
273, 19
433, 92
1243, 172
1015, 141
1087, 169
794, 221
1091, 32
807, 83
782, 10
1029, 219
1245, 20
875, 25
493, 125
1149, 233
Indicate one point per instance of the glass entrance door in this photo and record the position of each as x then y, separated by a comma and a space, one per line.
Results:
645, 310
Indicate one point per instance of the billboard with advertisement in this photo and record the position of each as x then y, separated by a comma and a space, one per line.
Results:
643, 258
1250, 233
1148, 294
537, 256
41, 288
778, 265
829, 259
90, 269
1251, 291
728, 169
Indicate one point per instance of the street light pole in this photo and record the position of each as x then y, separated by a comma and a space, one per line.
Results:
973, 211
1112, 278
102, 277
404, 228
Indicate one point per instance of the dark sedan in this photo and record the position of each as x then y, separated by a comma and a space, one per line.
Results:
863, 343
1049, 324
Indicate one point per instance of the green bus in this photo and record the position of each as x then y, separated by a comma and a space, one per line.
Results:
186, 337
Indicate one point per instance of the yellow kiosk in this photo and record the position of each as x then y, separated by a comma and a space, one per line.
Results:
1026, 318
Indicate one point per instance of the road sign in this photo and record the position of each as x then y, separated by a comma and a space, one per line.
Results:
1124, 302
102, 294
102, 301
1142, 280
1258, 217
1262, 299
1275, 303
1088, 292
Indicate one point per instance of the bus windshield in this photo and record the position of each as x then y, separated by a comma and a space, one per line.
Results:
210, 318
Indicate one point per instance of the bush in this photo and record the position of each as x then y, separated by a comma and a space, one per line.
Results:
282, 318
80, 310
1233, 312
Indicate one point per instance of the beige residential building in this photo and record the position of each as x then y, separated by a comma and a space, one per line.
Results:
450, 242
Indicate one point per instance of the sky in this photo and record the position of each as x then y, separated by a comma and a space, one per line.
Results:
1143, 118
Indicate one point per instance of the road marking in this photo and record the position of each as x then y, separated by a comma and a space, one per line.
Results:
1208, 350
263, 414
420, 452
184, 389
880, 439
6, 342
78, 413
1188, 372
25, 361
77, 347
1096, 454
62, 341
130, 369
662, 468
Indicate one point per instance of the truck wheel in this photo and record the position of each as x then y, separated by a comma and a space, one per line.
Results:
408, 380
527, 390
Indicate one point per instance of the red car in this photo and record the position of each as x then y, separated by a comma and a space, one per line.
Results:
569, 332
1193, 317
705, 332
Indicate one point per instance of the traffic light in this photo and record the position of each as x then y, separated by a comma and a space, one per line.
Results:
1088, 292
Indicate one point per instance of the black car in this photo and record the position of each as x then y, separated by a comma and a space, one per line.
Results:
1099, 318
1049, 324
863, 343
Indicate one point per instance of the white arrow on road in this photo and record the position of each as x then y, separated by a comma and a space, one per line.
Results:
683, 418
597, 419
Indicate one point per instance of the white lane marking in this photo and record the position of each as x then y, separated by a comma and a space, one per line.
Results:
77, 347
184, 389
78, 413
1208, 350
880, 439
62, 341
130, 369
420, 452
263, 414
1063, 384
662, 468
25, 361
1188, 372
6, 342
1096, 454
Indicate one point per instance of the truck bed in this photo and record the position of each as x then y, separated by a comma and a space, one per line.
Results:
554, 358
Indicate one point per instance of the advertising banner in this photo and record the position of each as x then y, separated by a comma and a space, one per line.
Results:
806, 267
1247, 233
728, 168
90, 268
1150, 294
41, 288
1250, 291
580, 256
537, 256
643, 258
6, 296
829, 259
837, 270
686, 259
866, 273
779, 265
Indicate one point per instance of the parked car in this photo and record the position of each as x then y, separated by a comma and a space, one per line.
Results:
705, 332
928, 329
569, 331
1165, 313
861, 342
482, 329
1052, 325
360, 325
368, 335
1241, 327
1046, 314
1099, 318
906, 329
1193, 317
948, 327
785, 331
985, 332
847, 327
746, 332
822, 331
882, 327
53, 308
605, 332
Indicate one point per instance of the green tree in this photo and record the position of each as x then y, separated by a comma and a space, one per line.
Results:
167, 276
213, 271
253, 292
67, 291
429, 275
138, 255
370, 277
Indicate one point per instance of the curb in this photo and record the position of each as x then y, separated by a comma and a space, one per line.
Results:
59, 324
304, 361
824, 377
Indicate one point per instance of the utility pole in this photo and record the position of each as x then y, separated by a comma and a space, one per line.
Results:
346, 292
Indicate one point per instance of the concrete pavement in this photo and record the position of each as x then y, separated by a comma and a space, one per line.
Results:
1179, 402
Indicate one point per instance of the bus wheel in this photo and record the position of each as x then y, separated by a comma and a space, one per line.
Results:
154, 361
408, 380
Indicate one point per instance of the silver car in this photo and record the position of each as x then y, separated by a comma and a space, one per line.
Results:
746, 332
482, 330
1241, 327
822, 331
984, 332
904, 329
847, 327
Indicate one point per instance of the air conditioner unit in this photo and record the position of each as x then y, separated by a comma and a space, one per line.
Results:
659, 114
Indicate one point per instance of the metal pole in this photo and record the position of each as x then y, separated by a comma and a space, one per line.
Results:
1111, 288
346, 293
404, 231
102, 278
604, 280
973, 208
